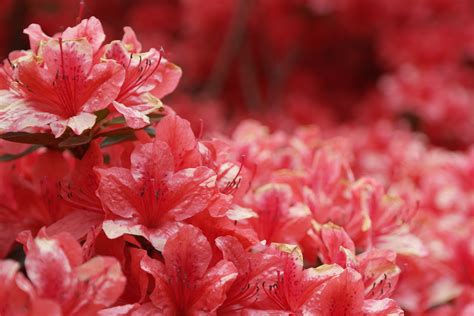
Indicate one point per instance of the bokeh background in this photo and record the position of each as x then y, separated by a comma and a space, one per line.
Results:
288, 62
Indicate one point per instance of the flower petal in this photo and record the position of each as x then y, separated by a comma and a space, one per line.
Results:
118, 191
35, 35
8, 270
187, 254
77, 223
214, 286
134, 119
161, 296
130, 39
91, 29
343, 294
104, 278
69, 59
177, 133
103, 85
383, 307
151, 161
17, 115
49, 269
168, 79
81, 122
190, 191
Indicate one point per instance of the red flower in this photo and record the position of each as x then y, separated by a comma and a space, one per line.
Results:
153, 197
148, 76
344, 295
60, 281
279, 219
294, 289
252, 267
60, 83
185, 283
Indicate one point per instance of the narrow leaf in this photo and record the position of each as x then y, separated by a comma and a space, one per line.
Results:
10, 157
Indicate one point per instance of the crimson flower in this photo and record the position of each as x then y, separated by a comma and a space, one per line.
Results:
152, 197
280, 219
58, 280
148, 77
293, 289
60, 82
186, 284
252, 267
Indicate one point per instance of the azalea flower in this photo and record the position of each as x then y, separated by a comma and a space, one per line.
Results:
279, 219
252, 267
29, 196
148, 77
58, 280
60, 82
340, 196
151, 198
186, 283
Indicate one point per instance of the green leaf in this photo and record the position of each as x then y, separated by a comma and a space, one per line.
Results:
29, 138
150, 131
112, 140
115, 121
102, 114
119, 131
75, 141
155, 117
10, 157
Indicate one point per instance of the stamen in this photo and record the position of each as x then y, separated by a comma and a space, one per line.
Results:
233, 185
83, 199
201, 128
138, 76
81, 11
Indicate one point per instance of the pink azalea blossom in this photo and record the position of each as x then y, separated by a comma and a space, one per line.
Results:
152, 197
60, 83
185, 283
59, 281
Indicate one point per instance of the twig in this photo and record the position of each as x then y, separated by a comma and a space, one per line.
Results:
230, 48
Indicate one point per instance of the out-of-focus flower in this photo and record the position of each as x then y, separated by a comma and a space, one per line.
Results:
59, 281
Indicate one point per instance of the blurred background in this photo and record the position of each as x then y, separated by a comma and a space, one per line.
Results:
290, 62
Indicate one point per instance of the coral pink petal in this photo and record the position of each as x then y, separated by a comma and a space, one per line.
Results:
103, 84
187, 254
49, 269
121, 310
343, 294
190, 191
162, 296
8, 270
90, 29
151, 161
35, 35
156, 236
170, 74
81, 122
233, 251
130, 39
177, 133
383, 307
18, 116
72, 60
105, 280
77, 223
118, 191
214, 286
134, 119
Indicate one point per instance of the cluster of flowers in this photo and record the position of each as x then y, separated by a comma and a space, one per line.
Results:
111, 205
440, 183
345, 58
